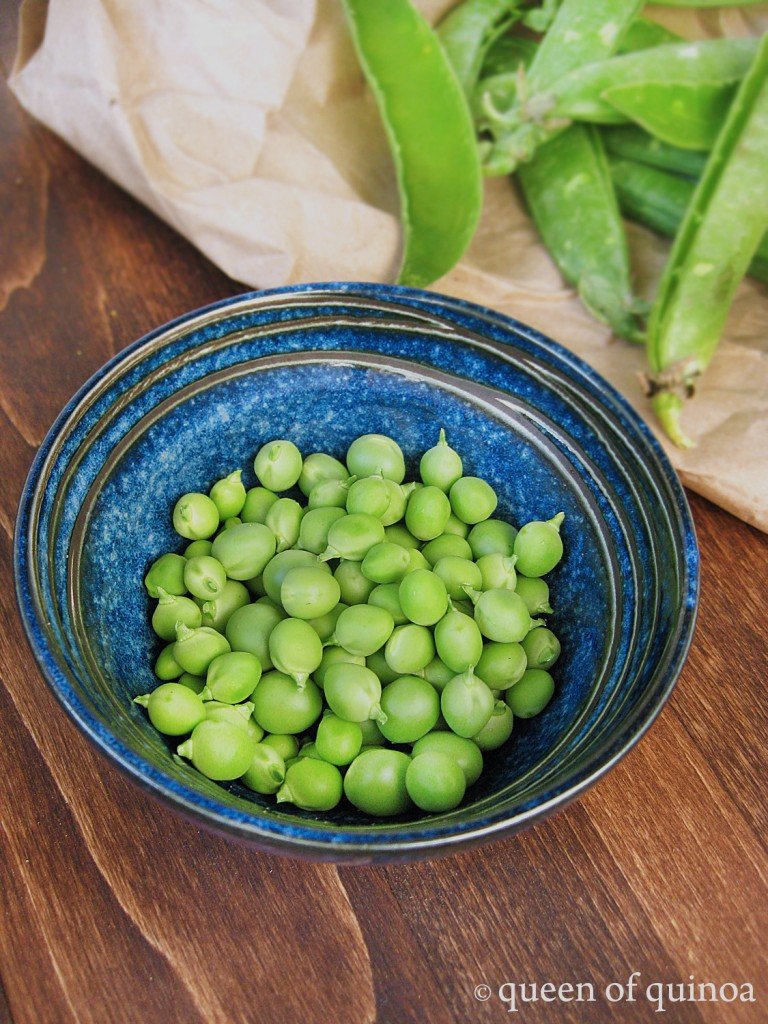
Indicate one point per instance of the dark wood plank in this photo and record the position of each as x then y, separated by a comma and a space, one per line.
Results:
115, 909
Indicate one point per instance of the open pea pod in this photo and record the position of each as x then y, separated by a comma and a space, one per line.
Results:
430, 132
568, 189
469, 30
722, 229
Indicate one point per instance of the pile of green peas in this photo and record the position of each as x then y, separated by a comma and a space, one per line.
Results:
372, 640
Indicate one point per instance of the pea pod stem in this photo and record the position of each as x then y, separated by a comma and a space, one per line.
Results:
430, 132
723, 226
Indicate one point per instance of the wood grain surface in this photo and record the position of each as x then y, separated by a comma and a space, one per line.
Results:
114, 909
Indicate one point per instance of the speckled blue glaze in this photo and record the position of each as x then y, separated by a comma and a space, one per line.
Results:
322, 364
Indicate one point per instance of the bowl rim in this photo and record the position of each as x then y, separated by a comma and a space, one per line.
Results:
299, 837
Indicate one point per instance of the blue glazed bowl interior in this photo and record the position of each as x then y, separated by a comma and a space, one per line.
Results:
321, 366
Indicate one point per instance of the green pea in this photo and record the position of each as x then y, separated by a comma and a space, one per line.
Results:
435, 782
409, 649
281, 706
315, 527
277, 569
228, 524
399, 534
417, 561
377, 663
195, 683
319, 468
375, 782
376, 454
491, 537
497, 729
386, 563
204, 577
441, 466
338, 741
228, 495
411, 707
284, 520
312, 785
455, 527
310, 750
325, 625
266, 773
352, 536
296, 650
472, 500
170, 610
258, 501
329, 494
195, 649
308, 592
173, 709
166, 666
371, 733
369, 496
458, 641
467, 704
284, 744
539, 547
237, 714
244, 550
397, 504
363, 629
354, 586
542, 648
423, 597
334, 656
532, 694
233, 677
502, 616
278, 465
447, 545
195, 516
167, 573
427, 513
501, 665
386, 595
535, 594
221, 751
353, 693
497, 572
217, 612
457, 573
464, 752
438, 674
198, 547
249, 629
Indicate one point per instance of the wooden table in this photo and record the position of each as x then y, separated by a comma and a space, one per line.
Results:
114, 909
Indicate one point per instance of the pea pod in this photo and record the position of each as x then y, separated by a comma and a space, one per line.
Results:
632, 143
722, 229
507, 54
580, 34
430, 133
704, 4
679, 92
642, 34
659, 200
569, 192
469, 30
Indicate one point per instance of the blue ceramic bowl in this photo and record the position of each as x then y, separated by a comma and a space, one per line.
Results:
322, 364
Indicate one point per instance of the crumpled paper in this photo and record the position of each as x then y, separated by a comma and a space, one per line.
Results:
247, 126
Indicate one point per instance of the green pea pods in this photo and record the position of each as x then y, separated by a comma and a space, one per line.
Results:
679, 92
468, 31
632, 143
723, 226
642, 34
659, 200
569, 192
580, 34
430, 132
